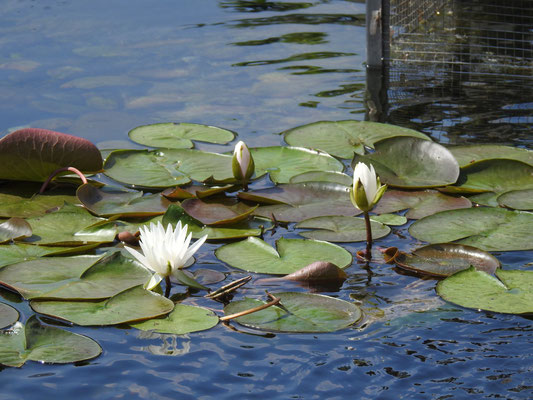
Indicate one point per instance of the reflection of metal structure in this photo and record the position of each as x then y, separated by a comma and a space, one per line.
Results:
432, 48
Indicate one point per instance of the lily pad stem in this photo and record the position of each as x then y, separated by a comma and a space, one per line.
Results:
275, 300
368, 236
168, 285
59, 170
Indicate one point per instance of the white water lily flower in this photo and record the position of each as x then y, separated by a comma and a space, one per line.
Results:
367, 189
164, 251
242, 163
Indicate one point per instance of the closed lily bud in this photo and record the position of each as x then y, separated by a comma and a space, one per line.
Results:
367, 188
242, 163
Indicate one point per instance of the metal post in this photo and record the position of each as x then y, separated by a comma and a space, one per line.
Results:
374, 39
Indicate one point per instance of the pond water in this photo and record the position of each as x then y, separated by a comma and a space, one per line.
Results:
98, 69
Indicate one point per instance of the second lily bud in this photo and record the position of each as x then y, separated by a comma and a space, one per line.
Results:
367, 188
242, 164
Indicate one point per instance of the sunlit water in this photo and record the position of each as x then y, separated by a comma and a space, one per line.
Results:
98, 69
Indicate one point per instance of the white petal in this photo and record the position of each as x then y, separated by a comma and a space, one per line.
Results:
141, 258
153, 282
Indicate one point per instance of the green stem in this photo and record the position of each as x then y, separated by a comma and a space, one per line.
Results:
168, 285
368, 236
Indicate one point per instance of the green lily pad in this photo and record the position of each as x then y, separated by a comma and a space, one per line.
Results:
344, 138
341, 229
163, 168
70, 225
445, 259
219, 212
8, 315
194, 191
129, 306
297, 202
409, 162
46, 344
14, 228
419, 203
511, 291
490, 229
122, 203
251, 227
74, 278
179, 135
183, 319
33, 154
254, 255
466, 155
323, 176
301, 312
282, 163
389, 219
496, 176
517, 199
488, 199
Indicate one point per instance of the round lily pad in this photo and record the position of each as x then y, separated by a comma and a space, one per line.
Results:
323, 176
8, 315
445, 259
488, 228
510, 291
344, 138
298, 312
46, 344
469, 154
255, 255
179, 135
131, 305
517, 199
183, 319
341, 229
409, 162
14, 228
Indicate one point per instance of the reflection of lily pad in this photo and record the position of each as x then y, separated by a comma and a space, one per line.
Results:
282, 163
409, 162
8, 315
179, 135
80, 277
114, 202
419, 203
301, 312
469, 154
341, 229
183, 319
517, 199
217, 212
255, 255
511, 291
131, 305
491, 229
444, 259
344, 138
45, 344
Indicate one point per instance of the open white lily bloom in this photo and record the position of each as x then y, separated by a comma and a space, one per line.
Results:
242, 163
367, 188
164, 251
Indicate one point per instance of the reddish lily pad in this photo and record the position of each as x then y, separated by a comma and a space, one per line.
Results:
219, 212
33, 154
194, 191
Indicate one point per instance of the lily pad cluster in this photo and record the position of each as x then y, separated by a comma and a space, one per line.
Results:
61, 242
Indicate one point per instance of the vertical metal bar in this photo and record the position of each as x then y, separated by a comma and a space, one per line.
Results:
374, 46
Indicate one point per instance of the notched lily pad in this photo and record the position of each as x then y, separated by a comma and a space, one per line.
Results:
299, 312
445, 259
217, 212
341, 229
183, 319
254, 255
179, 135
509, 291
32, 154
8, 315
409, 162
46, 344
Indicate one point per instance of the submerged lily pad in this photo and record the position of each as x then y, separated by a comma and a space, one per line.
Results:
163, 168
491, 229
255, 255
32, 154
46, 344
445, 259
123, 203
282, 163
341, 229
517, 199
409, 162
79, 277
300, 312
419, 203
183, 319
220, 212
179, 135
511, 291
14, 228
8, 315
131, 305
469, 154
344, 138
